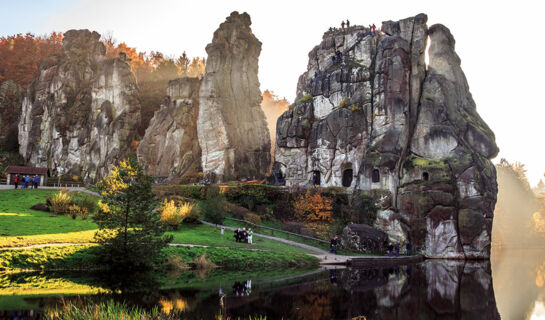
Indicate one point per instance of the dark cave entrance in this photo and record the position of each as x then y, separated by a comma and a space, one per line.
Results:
347, 177
376, 176
316, 178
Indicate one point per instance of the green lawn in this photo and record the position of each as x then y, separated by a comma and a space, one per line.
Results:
22, 226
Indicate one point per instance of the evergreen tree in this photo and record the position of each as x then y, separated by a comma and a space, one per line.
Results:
131, 233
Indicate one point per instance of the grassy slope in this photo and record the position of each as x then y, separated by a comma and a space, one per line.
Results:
22, 226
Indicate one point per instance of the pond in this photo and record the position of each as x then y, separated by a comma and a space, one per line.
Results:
512, 285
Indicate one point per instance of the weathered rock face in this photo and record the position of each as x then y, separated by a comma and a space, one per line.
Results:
170, 146
11, 98
363, 238
370, 116
231, 125
80, 115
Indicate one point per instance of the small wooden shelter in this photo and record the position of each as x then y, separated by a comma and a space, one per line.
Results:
12, 171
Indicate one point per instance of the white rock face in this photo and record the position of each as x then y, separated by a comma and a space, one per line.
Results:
232, 130
80, 115
170, 146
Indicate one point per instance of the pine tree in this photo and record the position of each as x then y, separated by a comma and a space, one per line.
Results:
131, 233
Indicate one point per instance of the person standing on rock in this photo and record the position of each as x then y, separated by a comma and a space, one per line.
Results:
342, 25
373, 27
347, 24
16, 181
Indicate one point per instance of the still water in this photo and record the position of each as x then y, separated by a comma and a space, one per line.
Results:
511, 285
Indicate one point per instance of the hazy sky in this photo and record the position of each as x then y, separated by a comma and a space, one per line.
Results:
500, 44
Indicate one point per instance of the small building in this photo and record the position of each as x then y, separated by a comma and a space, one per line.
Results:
12, 171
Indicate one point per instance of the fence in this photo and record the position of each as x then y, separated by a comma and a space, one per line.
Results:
64, 184
258, 227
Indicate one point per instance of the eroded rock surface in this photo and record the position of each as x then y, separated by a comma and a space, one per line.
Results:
11, 98
80, 115
231, 126
369, 115
170, 146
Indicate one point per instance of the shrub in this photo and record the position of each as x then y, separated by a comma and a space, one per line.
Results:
191, 177
40, 207
194, 216
75, 210
60, 202
194, 192
253, 218
306, 98
343, 103
201, 263
313, 207
88, 202
173, 215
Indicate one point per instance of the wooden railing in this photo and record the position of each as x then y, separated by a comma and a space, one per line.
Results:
273, 230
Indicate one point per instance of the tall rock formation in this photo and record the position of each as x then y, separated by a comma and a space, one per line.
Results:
231, 125
11, 98
370, 116
170, 146
80, 115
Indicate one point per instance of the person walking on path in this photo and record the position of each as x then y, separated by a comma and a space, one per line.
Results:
16, 181
408, 246
342, 25
36, 181
333, 244
250, 236
237, 235
390, 249
396, 247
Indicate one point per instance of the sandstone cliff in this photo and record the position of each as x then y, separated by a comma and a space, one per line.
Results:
80, 115
371, 116
11, 97
231, 125
170, 146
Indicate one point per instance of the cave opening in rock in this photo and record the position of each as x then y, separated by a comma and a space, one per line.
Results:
316, 178
348, 175
376, 175
425, 176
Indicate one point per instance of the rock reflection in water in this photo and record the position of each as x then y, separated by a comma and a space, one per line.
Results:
431, 290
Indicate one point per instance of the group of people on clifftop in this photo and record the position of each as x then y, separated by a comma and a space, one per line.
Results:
26, 181
372, 27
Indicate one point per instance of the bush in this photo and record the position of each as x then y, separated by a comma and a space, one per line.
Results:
173, 215
343, 103
86, 201
75, 210
194, 216
253, 218
191, 177
60, 202
194, 192
251, 195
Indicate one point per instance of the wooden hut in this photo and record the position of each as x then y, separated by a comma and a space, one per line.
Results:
12, 171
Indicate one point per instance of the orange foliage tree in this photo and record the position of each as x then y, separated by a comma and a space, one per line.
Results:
21, 55
312, 207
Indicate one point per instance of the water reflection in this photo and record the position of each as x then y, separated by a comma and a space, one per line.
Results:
434, 289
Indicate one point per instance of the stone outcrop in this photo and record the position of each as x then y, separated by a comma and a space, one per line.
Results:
231, 126
80, 115
370, 115
170, 146
363, 238
11, 98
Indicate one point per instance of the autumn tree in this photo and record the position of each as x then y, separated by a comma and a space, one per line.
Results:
130, 233
313, 207
21, 55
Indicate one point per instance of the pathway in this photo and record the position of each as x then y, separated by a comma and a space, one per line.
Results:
325, 256
80, 189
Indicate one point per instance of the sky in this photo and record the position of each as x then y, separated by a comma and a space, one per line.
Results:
499, 43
